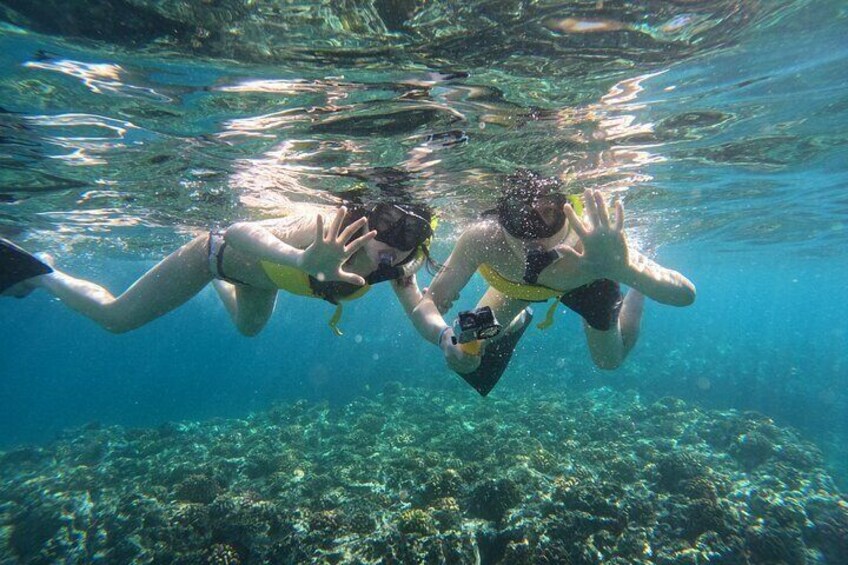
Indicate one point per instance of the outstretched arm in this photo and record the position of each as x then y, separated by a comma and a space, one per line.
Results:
430, 324
423, 313
463, 262
607, 255
466, 257
657, 282
325, 252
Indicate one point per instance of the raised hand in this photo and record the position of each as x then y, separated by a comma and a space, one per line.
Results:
605, 253
325, 257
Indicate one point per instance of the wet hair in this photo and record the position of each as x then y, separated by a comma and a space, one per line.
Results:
530, 205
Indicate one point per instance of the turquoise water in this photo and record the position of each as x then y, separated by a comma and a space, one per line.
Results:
721, 124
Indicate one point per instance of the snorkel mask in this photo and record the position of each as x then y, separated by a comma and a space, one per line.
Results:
526, 214
403, 226
531, 207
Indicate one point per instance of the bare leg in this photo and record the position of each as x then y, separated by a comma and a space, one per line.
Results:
250, 308
508, 311
166, 286
630, 319
610, 348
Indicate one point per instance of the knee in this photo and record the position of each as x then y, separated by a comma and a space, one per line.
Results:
249, 332
117, 319
607, 363
250, 329
119, 327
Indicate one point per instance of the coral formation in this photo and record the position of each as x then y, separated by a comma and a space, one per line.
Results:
421, 476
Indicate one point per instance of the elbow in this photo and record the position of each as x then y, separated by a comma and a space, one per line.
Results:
442, 306
680, 296
114, 321
687, 297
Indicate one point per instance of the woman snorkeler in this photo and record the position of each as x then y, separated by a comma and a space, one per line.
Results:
541, 247
249, 262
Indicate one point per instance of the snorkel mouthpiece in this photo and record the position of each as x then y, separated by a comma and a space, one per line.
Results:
386, 270
385, 258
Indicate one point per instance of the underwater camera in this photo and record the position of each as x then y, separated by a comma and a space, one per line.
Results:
476, 324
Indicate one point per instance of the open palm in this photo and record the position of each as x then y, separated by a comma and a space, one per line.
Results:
327, 254
605, 252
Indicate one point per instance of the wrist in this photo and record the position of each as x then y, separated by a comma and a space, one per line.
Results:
446, 333
303, 263
625, 273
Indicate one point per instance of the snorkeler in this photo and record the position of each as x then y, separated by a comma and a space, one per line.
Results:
249, 262
543, 245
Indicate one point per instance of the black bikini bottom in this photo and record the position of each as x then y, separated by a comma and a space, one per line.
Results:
597, 302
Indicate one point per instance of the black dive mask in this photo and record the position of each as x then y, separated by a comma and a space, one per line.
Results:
399, 225
536, 261
533, 218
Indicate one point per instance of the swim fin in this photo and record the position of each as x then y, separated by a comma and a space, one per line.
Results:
17, 265
496, 358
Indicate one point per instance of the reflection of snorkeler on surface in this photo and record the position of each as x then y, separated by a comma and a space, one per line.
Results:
540, 248
249, 262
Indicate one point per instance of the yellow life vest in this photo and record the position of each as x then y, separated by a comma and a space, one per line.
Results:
525, 291
295, 281
512, 289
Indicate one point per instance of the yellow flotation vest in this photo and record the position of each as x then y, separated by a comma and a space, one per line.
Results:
525, 291
295, 281
298, 282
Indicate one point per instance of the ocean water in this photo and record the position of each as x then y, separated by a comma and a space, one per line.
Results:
128, 127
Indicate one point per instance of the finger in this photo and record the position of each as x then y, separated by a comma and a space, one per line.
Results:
575, 222
352, 229
319, 228
568, 251
619, 215
351, 278
337, 223
603, 211
357, 243
591, 206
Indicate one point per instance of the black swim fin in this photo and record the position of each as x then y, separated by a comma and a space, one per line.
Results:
17, 265
495, 360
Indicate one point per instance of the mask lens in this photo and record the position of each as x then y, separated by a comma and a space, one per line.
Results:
535, 219
399, 227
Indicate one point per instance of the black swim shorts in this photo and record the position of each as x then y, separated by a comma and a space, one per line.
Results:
597, 302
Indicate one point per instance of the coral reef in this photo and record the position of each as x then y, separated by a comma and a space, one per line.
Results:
420, 476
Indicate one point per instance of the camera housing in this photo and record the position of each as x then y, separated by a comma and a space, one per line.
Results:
471, 325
